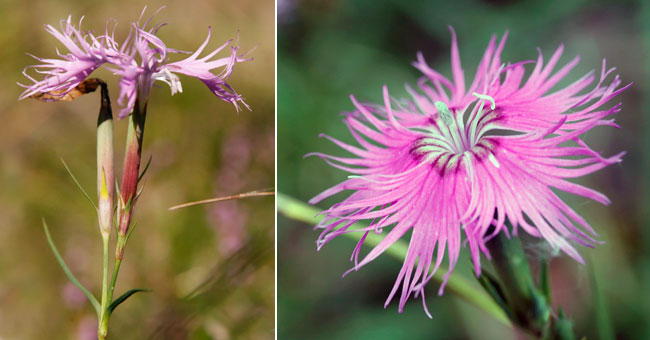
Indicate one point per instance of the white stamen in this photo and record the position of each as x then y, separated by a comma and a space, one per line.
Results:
171, 79
444, 113
486, 97
494, 160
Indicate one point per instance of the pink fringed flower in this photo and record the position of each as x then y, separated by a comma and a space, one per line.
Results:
456, 160
87, 53
139, 61
138, 76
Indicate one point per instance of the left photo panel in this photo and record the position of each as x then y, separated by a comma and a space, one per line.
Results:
137, 170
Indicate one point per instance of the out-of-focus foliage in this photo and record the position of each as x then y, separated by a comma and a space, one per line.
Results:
329, 49
210, 268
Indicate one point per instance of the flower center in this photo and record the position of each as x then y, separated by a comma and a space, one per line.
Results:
170, 78
451, 140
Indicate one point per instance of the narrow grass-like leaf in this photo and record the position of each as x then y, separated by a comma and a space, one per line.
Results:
123, 298
78, 184
67, 271
131, 229
297, 210
137, 194
146, 167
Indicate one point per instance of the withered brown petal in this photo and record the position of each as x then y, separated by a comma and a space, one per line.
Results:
87, 86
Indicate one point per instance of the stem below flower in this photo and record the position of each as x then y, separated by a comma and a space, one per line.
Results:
102, 330
126, 204
528, 306
116, 268
456, 284
527, 303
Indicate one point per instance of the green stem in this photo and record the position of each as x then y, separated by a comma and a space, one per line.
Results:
458, 285
105, 275
109, 288
528, 304
121, 241
102, 330
103, 326
115, 271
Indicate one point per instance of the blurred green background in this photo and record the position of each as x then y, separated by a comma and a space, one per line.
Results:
330, 49
201, 148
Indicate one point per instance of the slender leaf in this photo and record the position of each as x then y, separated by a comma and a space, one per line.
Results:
78, 184
131, 229
67, 271
137, 194
123, 298
146, 167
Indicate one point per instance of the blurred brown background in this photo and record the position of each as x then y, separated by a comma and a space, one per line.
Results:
210, 268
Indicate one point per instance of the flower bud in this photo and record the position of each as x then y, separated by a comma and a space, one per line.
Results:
105, 171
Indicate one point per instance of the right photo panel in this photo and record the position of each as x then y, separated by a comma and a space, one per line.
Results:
463, 170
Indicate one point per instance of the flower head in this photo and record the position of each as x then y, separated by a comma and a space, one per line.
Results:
140, 60
145, 60
454, 160
86, 54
